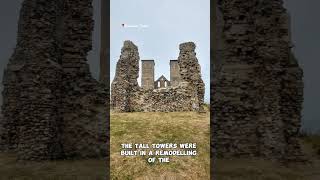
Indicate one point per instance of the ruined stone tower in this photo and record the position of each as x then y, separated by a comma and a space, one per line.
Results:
147, 77
52, 107
257, 90
174, 73
125, 84
104, 43
127, 96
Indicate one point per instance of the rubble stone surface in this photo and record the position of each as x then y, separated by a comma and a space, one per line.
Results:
257, 88
186, 95
52, 107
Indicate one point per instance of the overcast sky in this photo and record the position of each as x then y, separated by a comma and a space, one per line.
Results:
181, 21
162, 26
305, 35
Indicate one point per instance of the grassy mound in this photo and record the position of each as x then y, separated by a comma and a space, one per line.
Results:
148, 128
164, 128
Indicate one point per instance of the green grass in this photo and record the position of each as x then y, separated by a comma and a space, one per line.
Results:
128, 128
164, 128
255, 169
148, 128
10, 169
245, 169
312, 142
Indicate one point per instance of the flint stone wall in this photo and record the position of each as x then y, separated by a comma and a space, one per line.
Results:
258, 89
127, 96
52, 107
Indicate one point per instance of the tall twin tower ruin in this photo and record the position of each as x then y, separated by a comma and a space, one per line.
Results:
148, 77
185, 91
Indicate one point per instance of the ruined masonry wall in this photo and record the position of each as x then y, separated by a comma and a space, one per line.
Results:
125, 84
127, 96
190, 71
257, 95
52, 107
